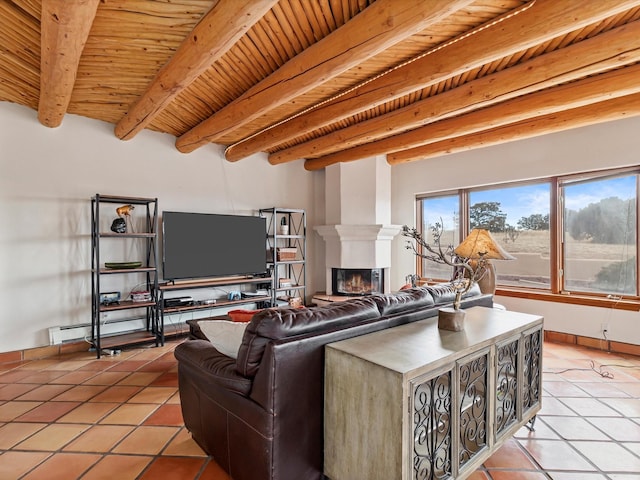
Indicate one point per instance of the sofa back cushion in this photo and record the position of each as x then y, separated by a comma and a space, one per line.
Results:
445, 293
274, 324
403, 301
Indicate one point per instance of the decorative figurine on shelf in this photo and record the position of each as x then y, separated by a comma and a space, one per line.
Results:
119, 225
125, 210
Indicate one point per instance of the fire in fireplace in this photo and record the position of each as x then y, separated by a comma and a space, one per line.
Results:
357, 281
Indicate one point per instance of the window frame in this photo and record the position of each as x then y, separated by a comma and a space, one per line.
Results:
462, 222
555, 292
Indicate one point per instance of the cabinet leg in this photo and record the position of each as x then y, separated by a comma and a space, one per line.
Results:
530, 424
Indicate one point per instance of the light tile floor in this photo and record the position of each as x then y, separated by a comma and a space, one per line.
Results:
75, 417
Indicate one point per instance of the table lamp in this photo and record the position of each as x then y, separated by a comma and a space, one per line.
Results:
480, 248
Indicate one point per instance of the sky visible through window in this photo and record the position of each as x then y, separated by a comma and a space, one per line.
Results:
516, 202
442, 208
583, 194
522, 201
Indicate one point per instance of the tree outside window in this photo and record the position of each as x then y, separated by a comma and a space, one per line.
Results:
599, 245
518, 218
596, 250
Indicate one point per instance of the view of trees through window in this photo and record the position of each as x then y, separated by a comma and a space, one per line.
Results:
596, 218
518, 219
599, 245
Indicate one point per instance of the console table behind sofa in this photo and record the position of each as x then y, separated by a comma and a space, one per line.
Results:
415, 402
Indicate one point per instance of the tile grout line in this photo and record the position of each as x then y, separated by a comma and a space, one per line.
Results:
578, 415
164, 358
96, 422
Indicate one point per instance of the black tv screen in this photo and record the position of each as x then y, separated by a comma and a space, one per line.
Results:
200, 245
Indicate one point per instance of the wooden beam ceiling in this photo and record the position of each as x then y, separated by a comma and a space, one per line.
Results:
614, 84
613, 49
379, 26
535, 23
65, 26
211, 38
622, 107
328, 81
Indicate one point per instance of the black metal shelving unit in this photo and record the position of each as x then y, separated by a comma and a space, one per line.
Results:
149, 268
293, 269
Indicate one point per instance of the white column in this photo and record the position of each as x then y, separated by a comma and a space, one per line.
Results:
358, 213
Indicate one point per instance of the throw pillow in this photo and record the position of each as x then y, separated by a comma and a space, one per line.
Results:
241, 315
224, 335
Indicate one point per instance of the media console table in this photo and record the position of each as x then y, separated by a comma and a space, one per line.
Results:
416, 402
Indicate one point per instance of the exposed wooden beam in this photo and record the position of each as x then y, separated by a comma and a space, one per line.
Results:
211, 38
64, 29
379, 26
609, 85
544, 20
623, 107
607, 51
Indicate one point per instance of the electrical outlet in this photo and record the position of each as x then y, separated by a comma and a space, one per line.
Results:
604, 327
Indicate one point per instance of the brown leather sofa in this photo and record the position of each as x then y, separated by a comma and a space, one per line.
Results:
261, 415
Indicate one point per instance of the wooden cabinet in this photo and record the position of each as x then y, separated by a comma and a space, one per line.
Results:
416, 402
141, 237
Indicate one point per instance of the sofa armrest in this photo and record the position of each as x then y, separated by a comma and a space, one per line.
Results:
202, 358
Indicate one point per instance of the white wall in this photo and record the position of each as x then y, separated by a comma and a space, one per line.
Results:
608, 145
48, 176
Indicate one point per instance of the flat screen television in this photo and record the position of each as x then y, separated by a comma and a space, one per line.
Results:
202, 245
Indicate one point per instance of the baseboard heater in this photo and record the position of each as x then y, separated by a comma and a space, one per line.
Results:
72, 333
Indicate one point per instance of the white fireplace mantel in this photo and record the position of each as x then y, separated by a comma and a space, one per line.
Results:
358, 246
358, 232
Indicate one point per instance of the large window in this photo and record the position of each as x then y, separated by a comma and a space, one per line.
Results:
518, 218
599, 241
573, 234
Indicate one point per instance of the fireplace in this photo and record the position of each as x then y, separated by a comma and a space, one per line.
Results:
357, 281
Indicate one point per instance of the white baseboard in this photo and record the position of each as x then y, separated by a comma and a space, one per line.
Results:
59, 335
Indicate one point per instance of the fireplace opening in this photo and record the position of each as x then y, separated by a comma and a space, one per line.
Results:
357, 281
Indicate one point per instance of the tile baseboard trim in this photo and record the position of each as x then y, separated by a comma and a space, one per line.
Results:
589, 342
43, 352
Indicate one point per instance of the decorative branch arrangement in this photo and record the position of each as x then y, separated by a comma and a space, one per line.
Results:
466, 271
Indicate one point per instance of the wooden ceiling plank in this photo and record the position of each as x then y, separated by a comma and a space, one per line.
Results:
329, 20
263, 43
614, 84
211, 38
288, 31
544, 20
65, 26
600, 112
303, 22
316, 19
613, 49
378, 27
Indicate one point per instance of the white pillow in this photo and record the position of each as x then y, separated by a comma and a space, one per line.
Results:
226, 336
